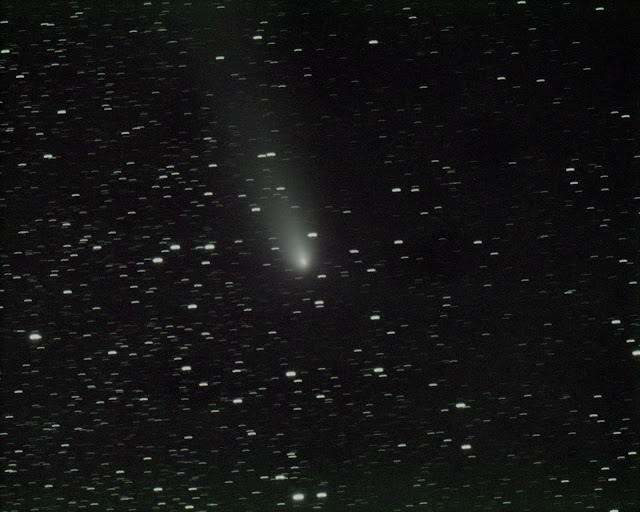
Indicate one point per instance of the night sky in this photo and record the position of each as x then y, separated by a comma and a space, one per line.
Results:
337, 256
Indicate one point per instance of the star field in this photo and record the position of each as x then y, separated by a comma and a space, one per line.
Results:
319, 256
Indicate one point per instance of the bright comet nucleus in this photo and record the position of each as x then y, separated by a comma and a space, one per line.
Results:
302, 259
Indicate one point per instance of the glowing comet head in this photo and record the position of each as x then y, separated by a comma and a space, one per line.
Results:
297, 246
303, 261
299, 254
301, 258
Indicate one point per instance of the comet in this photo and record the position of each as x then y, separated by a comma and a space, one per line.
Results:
283, 210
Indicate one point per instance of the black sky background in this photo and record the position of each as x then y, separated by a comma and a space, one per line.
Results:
471, 172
